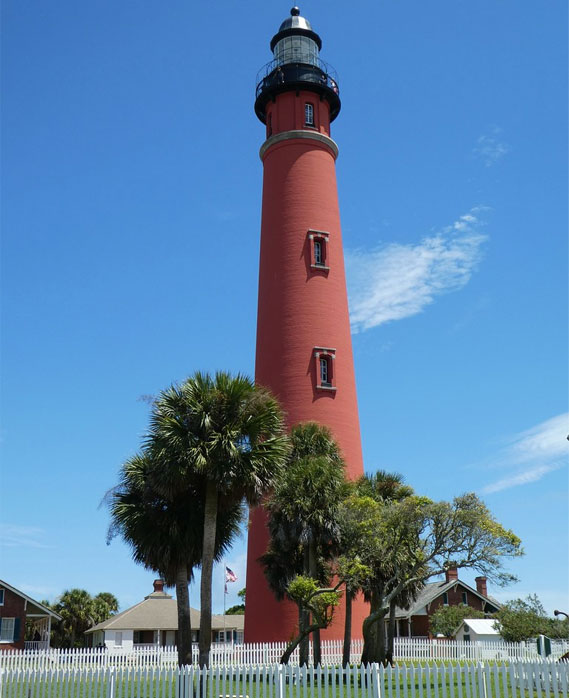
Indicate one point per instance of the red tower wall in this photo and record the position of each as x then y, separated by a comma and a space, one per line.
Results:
300, 308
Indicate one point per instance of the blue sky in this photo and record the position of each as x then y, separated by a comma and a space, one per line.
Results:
131, 214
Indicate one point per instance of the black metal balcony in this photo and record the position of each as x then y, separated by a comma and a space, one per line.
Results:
317, 76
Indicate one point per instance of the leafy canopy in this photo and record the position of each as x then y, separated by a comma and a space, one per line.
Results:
447, 619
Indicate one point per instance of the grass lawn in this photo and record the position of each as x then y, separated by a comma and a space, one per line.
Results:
426, 681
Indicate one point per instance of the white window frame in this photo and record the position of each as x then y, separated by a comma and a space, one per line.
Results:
465, 598
118, 638
2, 594
309, 114
3, 629
445, 598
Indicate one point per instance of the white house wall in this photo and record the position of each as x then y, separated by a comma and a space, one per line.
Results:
111, 639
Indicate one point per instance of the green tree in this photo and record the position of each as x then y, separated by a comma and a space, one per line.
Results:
303, 520
165, 534
104, 606
318, 602
407, 542
385, 487
238, 609
79, 611
229, 431
75, 606
522, 619
447, 619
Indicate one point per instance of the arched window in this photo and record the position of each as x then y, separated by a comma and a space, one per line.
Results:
308, 114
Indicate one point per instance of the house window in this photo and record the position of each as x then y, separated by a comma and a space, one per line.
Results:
118, 639
445, 599
7, 628
308, 114
324, 358
318, 241
464, 598
1, 597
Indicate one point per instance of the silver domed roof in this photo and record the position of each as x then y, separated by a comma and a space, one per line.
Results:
295, 21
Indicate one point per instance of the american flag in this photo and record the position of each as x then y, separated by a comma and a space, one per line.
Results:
230, 575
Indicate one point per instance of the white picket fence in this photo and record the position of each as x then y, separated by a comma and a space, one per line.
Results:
270, 653
540, 679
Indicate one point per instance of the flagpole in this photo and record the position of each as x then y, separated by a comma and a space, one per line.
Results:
224, 595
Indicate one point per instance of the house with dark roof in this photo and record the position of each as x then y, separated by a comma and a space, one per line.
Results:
21, 617
414, 621
154, 622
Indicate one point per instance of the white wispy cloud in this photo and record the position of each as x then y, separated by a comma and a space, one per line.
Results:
38, 592
533, 453
490, 147
12, 536
395, 281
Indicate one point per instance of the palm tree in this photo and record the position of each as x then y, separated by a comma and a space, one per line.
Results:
104, 605
166, 534
303, 506
383, 487
230, 432
75, 606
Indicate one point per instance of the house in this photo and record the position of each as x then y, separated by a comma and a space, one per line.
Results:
21, 617
154, 621
475, 629
414, 621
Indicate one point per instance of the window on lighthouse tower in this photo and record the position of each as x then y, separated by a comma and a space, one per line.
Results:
318, 249
324, 371
324, 365
318, 259
308, 114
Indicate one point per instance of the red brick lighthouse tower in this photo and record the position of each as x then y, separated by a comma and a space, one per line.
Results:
304, 349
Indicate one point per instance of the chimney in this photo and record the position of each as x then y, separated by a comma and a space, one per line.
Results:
451, 575
159, 585
481, 587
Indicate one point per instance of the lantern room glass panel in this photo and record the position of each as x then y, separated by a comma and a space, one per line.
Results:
296, 49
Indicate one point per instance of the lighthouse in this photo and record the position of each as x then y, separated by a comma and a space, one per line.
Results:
304, 349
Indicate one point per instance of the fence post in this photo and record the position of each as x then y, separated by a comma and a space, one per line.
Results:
280, 692
376, 681
482, 688
111, 686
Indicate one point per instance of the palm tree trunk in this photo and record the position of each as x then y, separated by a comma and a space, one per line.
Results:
184, 617
208, 549
390, 632
317, 651
346, 651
